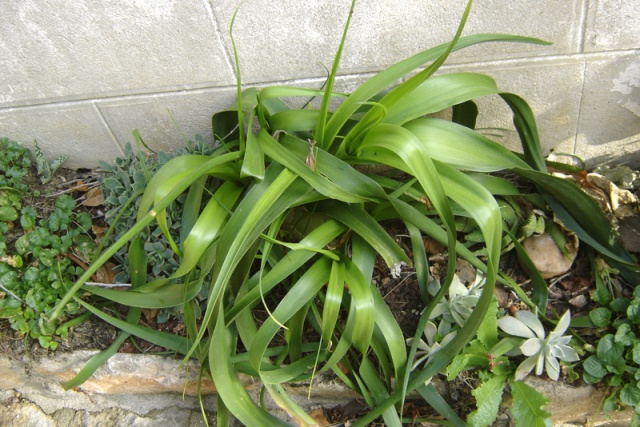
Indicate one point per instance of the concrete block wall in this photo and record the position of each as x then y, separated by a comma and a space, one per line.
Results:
80, 76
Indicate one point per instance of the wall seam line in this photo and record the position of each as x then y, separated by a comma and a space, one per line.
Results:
216, 27
105, 123
580, 106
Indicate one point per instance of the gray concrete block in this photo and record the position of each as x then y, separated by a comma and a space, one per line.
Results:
552, 89
610, 116
279, 40
612, 25
151, 115
74, 129
53, 49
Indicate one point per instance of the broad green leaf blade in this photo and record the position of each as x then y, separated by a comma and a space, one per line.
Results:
488, 397
525, 123
529, 406
388, 331
461, 147
295, 120
362, 300
495, 185
439, 93
170, 295
321, 182
208, 226
253, 161
332, 301
137, 263
337, 170
164, 180
191, 208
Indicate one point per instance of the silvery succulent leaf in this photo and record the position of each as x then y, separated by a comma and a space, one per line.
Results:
427, 349
539, 347
458, 306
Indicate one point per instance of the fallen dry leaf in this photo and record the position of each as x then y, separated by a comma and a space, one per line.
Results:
81, 187
318, 415
105, 274
150, 313
94, 197
99, 232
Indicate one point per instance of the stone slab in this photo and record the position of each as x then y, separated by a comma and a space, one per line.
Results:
73, 129
53, 49
40, 401
152, 116
612, 25
281, 40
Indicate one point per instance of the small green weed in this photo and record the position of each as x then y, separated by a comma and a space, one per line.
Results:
615, 360
36, 254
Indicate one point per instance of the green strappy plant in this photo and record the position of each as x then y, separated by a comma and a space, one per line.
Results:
293, 224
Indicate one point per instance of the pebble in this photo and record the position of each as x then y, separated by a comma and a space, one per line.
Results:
578, 301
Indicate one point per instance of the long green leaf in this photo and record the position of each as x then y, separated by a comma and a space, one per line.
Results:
228, 385
321, 182
267, 200
439, 93
462, 147
162, 339
326, 100
356, 218
332, 301
299, 295
399, 70
525, 123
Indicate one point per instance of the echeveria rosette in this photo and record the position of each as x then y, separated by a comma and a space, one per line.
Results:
460, 302
436, 338
537, 346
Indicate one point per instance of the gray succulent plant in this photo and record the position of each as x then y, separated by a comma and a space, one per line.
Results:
542, 351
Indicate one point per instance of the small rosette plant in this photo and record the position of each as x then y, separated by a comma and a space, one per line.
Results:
537, 346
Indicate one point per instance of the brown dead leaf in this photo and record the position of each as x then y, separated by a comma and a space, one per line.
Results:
105, 274
150, 313
94, 197
99, 232
432, 247
575, 283
318, 415
81, 187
